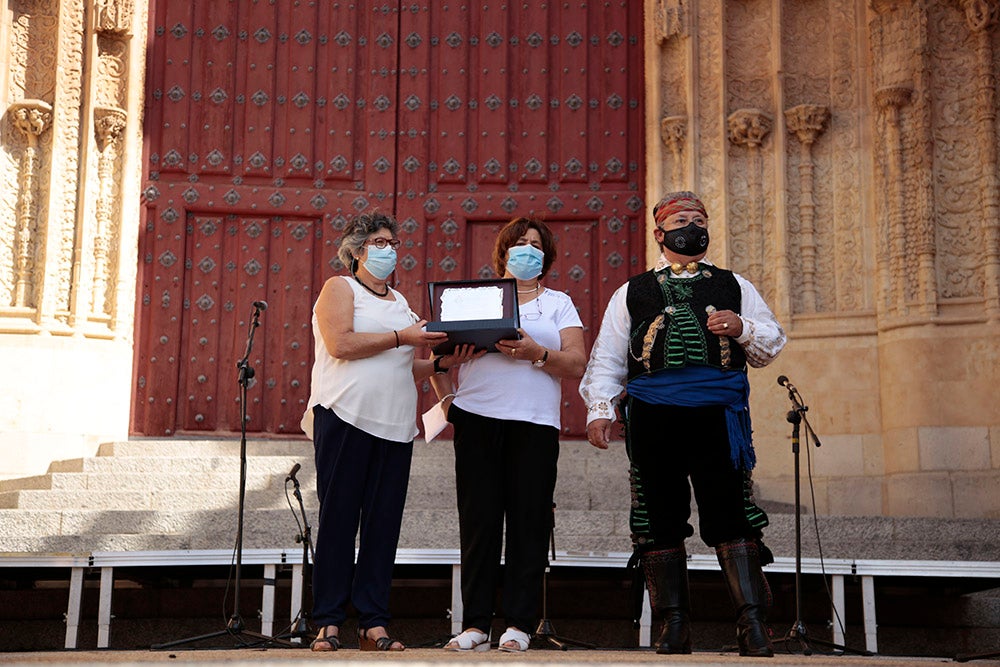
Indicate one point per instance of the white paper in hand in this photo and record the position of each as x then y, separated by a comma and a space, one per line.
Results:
435, 420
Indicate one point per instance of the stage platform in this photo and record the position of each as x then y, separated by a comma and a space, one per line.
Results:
620, 658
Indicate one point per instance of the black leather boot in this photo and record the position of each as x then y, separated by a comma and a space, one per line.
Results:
669, 596
740, 561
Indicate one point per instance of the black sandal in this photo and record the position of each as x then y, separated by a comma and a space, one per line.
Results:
366, 643
332, 641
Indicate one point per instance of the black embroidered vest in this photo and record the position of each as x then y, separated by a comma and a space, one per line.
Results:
669, 321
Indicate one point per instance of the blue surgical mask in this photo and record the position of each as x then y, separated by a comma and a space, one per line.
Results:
380, 262
524, 262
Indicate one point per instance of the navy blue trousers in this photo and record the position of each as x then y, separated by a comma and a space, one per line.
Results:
505, 471
361, 481
673, 449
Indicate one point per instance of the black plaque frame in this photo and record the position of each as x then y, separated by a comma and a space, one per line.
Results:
484, 334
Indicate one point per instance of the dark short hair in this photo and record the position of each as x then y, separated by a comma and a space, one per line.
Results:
514, 230
358, 231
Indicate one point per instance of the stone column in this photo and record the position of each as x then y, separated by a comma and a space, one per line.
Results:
750, 127
113, 26
33, 118
807, 122
981, 15
889, 101
109, 125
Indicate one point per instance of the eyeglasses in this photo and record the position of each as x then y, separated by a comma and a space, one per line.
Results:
382, 242
531, 317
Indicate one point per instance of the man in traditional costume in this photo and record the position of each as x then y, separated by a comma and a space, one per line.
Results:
672, 355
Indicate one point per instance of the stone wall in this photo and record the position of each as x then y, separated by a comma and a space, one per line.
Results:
847, 153
69, 168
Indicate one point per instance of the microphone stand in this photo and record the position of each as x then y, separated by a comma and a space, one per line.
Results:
545, 630
236, 627
798, 631
301, 628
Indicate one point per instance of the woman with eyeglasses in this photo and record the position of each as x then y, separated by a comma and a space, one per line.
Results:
505, 413
362, 419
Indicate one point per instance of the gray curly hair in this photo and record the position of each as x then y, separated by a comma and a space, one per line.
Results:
359, 230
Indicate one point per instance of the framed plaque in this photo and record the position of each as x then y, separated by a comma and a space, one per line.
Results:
474, 312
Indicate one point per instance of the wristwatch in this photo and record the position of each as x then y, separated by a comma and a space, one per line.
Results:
541, 362
437, 366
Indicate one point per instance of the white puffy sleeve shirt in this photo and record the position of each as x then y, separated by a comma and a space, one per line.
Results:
607, 371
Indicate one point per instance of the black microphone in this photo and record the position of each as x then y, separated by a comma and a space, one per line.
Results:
295, 469
783, 381
260, 305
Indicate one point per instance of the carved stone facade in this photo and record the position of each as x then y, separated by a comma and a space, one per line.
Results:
846, 150
72, 139
847, 153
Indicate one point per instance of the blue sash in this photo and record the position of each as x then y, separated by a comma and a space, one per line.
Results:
697, 386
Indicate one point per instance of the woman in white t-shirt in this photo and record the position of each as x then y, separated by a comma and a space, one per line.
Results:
362, 419
506, 417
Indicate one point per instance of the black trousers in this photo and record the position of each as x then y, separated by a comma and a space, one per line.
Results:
668, 446
361, 480
505, 470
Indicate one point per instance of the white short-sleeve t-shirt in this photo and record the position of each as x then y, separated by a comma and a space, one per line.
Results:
503, 388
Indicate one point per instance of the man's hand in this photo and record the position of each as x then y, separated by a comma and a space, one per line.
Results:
725, 323
599, 433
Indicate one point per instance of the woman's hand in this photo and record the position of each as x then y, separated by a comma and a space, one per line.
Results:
523, 349
725, 323
416, 336
460, 355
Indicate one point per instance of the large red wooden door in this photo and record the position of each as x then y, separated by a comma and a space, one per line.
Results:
270, 124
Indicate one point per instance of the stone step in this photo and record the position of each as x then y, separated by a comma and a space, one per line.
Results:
584, 481
208, 529
130, 481
169, 464
163, 500
81, 531
156, 494
206, 447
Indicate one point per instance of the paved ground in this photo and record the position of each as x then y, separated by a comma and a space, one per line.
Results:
421, 657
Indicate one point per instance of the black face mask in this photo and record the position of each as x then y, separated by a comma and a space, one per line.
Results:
688, 241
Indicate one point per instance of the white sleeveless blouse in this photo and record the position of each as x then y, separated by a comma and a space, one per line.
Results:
376, 394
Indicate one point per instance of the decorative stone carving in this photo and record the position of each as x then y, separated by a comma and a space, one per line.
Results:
981, 16
109, 124
671, 19
806, 122
709, 90
673, 129
113, 25
32, 118
750, 127
114, 16
112, 69
891, 98
889, 101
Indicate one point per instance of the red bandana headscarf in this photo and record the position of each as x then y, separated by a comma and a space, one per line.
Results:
675, 202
